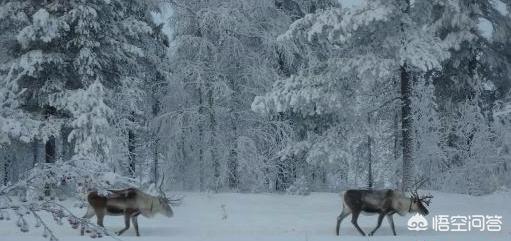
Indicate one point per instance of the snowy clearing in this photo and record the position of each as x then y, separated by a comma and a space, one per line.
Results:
283, 217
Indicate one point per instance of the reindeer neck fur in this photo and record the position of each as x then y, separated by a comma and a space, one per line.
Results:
150, 205
402, 203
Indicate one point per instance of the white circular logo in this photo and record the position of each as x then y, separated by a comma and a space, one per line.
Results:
417, 223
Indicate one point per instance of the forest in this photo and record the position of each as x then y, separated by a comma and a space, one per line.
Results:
286, 96
242, 97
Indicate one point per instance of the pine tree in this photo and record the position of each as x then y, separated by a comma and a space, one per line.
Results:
357, 56
232, 60
68, 64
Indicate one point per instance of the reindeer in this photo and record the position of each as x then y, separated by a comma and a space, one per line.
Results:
383, 202
129, 202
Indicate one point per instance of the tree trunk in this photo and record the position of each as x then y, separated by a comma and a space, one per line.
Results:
370, 181
156, 159
35, 152
67, 148
131, 147
50, 150
211, 144
184, 158
406, 130
201, 137
396, 136
406, 109
7, 166
281, 180
156, 139
232, 165
50, 154
233, 155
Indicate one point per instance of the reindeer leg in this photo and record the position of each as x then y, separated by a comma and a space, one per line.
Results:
135, 222
126, 224
354, 218
380, 219
391, 222
100, 214
343, 215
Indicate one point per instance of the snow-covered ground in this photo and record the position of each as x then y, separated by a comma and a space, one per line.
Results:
233, 216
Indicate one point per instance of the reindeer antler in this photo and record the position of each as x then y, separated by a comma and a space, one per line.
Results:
414, 190
419, 183
414, 194
426, 199
173, 200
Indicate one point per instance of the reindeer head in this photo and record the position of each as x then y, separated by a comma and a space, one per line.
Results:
418, 202
164, 202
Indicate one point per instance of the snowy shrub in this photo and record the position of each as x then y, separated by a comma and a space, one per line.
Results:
27, 198
45, 28
73, 178
27, 216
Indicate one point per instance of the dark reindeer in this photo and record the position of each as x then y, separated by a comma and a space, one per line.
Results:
383, 202
130, 202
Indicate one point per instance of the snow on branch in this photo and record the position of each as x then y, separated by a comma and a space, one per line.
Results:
78, 175
338, 25
24, 211
26, 198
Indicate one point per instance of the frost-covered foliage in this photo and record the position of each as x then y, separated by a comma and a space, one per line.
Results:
90, 127
75, 77
221, 56
346, 80
71, 73
28, 215
270, 95
429, 156
469, 91
473, 157
299, 187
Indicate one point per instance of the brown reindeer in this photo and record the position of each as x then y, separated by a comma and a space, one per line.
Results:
130, 203
383, 202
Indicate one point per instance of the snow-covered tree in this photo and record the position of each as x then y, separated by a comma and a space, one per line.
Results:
270, 95
72, 73
429, 156
221, 56
71, 68
369, 57
475, 76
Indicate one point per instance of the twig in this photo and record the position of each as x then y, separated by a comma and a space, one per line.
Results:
84, 221
41, 221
